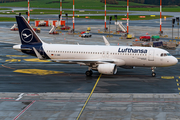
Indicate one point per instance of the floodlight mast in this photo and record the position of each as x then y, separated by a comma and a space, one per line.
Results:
60, 12
127, 16
73, 17
105, 16
160, 15
61, 7
28, 12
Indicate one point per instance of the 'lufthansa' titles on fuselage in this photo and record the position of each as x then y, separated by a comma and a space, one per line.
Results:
130, 50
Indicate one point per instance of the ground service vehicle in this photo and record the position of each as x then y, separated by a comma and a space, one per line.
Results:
86, 35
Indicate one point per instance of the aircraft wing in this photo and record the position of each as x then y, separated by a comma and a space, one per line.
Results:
90, 62
84, 61
106, 41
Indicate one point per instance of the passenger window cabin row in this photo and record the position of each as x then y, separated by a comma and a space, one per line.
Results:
107, 53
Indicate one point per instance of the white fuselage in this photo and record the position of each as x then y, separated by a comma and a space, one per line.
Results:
131, 56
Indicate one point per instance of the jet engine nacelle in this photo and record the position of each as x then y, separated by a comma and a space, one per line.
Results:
107, 69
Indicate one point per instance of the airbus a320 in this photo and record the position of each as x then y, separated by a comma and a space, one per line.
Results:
104, 59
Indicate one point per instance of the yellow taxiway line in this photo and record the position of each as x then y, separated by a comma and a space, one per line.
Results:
37, 71
16, 56
88, 97
178, 85
167, 77
36, 60
13, 60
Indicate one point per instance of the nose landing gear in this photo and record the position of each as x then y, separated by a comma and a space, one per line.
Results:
153, 71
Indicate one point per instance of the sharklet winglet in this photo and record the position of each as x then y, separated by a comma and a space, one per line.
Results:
106, 41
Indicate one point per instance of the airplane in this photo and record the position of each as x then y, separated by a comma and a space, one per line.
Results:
103, 58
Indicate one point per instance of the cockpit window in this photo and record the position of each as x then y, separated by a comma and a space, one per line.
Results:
165, 54
168, 54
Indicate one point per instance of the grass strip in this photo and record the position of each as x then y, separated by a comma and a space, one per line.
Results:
89, 4
5, 19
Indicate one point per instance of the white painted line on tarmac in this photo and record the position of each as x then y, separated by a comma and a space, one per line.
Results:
24, 110
20, 96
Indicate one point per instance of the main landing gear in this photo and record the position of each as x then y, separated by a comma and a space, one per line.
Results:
89, 72
153, 72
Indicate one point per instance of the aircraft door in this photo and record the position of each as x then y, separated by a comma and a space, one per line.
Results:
151, 55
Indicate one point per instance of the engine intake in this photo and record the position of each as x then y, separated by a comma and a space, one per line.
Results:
107, 69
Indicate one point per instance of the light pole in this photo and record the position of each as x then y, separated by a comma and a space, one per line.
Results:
173, 21
115, 16
110, 18
28, 12
105, 17
73, 17
127, 16
61, 7
67, 18
60, 12
59, 19
177, 20
160, 17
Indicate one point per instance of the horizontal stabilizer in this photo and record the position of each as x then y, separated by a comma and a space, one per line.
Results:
26, 49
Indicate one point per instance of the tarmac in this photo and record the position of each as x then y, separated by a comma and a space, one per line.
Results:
42, 90
114, 106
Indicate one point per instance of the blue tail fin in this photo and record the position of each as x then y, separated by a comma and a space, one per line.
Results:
27, 35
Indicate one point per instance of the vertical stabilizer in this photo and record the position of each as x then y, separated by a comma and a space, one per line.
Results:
26, 32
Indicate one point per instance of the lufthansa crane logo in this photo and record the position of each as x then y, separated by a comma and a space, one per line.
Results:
27, 35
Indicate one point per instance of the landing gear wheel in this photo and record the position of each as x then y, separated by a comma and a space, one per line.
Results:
153, 74
153, 71
89, 73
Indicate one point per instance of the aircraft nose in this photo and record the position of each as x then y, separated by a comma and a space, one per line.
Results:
174, 61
